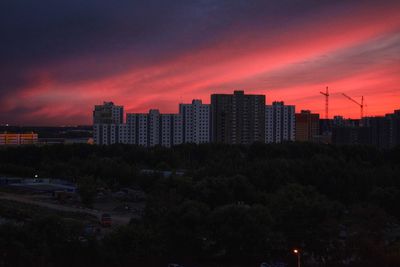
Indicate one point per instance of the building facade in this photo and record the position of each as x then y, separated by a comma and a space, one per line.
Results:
307, 126
107, 119
18, 138
108, 113
280, 123
395, 136
195, 122
381, 131
237, 118
191, 125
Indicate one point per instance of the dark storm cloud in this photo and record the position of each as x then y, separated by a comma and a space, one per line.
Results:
37, 33
51, 29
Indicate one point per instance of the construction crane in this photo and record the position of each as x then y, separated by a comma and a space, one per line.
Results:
326, 94
359, 104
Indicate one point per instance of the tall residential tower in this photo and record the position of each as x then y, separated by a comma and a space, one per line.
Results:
196, 122
307, 126
108, 113
237, 118
280, 123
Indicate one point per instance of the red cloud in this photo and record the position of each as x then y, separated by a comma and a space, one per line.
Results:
239, 59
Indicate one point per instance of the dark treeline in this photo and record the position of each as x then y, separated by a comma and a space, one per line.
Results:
235, 205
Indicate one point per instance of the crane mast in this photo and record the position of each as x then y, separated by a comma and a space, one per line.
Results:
326, 94
361, 105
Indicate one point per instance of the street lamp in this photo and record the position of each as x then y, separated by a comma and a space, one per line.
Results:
297, 252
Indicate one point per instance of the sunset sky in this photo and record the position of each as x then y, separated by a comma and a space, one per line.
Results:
58, 58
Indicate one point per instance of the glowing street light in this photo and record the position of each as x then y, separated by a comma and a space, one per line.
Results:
297, 252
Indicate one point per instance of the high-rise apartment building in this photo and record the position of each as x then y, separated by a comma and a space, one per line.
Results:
279, 123
339, 121
394, 128
196, 122
155, 128
237, 118
108, 113
138, 124
307, 126
395, 141
383, 131
171, 130
379, 131
106, 134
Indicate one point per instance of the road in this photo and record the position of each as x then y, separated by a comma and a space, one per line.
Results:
117, 218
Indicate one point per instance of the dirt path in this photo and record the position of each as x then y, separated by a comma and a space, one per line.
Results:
117, 219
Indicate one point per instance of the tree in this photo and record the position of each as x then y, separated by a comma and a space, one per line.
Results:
87, 190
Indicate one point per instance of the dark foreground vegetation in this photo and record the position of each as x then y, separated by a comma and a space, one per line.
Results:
234, 206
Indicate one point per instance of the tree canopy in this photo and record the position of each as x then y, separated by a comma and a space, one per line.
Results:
224, 204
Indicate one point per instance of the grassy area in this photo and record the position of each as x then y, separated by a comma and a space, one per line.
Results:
22, 212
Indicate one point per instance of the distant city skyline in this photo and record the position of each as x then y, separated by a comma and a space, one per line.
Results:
177, 110
239, 118
61, 58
